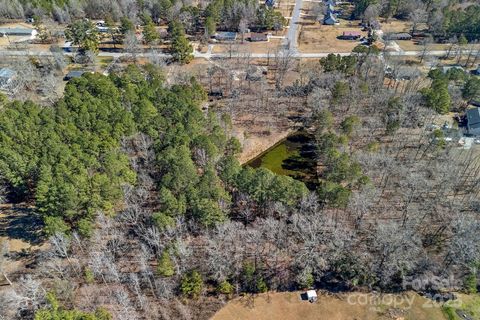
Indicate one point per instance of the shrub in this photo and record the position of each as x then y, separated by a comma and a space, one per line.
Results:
165, 266
225, 287
191, 284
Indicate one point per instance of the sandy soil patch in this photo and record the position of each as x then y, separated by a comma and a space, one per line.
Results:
289, 306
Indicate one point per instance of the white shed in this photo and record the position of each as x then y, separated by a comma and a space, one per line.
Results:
312, 295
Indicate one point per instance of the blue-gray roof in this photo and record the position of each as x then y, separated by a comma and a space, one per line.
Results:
270, 3
7, 73
226, 35
473, 118
330, 18
75, 73
21, 31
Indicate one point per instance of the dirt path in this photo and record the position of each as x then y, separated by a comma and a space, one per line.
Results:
289, 306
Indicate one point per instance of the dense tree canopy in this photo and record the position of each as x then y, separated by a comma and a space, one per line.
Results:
69, 157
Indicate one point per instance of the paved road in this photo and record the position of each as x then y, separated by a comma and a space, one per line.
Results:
292, 29
209, 55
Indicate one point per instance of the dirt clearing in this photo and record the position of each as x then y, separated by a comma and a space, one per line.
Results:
360, 306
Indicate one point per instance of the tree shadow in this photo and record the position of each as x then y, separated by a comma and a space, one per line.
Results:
21, 223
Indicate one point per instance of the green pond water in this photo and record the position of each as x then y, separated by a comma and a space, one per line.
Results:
293, 156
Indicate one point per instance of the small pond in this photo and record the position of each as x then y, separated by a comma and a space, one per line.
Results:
293, 156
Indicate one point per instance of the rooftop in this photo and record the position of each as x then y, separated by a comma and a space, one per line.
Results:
6, 73
17, 31
351, 33
473, 116
226, 35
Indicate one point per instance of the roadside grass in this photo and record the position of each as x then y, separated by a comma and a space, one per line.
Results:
470, 305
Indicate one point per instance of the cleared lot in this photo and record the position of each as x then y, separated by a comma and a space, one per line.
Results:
289, 306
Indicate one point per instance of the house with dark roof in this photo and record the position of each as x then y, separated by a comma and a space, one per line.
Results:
400, 36
445, 69
270, 3
330, 18
18, 32
73, 74
351, 35
258, 37
473, 121
477, 72
226, 36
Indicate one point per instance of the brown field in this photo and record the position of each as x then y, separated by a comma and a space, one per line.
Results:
315, 37
289, 306
247, 46
410, 45
394, 25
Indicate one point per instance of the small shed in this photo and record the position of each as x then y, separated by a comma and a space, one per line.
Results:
258, 37
6, 76
473, 121
351, 35
312, 296
18, 32
330, 19
73, 74
226, 36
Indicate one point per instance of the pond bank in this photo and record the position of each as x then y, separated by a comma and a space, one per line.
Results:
254, 145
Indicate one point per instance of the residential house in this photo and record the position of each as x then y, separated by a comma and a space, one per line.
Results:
400, 36
18, 32
258, 37
445, 69
226, 36
270, 3
73, 74
473, 121
330, 19
477, 72
351, 35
